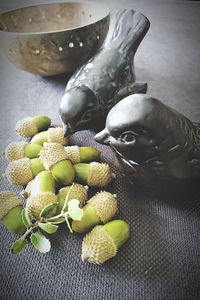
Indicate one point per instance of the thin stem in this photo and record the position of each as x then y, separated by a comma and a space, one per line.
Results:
29, 231
66, 199
55, 217
67, 221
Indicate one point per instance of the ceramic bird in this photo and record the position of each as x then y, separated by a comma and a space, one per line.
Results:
106, 78
152, 141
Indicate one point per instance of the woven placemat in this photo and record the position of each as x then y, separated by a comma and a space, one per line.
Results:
161, 259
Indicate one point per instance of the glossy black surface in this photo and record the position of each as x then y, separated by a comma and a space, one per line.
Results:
106, 78
152, 141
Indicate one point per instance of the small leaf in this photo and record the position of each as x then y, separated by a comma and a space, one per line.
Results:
48, 227
74, 211
18, 246
40, 242
47, 210
58, 220
25, 218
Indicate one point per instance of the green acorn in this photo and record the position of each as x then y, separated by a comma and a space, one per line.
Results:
55, 160
52, 135
10, 212
42, 195
78, 192
23, 170
100, 209
17, 150
30, 126
94, 174
27, 191
43, 182
82, 154
103, 242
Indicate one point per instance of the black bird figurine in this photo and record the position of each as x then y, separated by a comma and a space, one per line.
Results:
106, 78
152, 142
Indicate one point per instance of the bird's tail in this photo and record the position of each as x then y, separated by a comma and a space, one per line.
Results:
127, 30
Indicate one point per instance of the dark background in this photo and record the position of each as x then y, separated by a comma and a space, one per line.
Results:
162, 258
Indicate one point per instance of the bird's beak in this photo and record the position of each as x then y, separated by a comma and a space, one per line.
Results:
68, 130
102, 137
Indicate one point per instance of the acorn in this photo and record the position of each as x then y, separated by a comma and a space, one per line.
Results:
52, 135
101, 208
23, 170
42, 194
78, 192
43, 182
103, 241
17, 150
30, 126
94, 174
55, 160
82, 154
35, 205
10, 212
27, 191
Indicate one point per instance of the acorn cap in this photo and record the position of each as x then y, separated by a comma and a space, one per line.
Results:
19, 171
26, 127
52, 153
99, 174
35, 204
78, 192
73, 153
15, 150
98, 246
8, 200
105, 204
56, 135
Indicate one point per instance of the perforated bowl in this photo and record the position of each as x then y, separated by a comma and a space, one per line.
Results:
51, 39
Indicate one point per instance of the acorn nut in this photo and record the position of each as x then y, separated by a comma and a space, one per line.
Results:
100, 209
42, 194
52, 135
27, 191
43, 182
23, 170
10, 212
55, 160
78, 192
82, 154
94, 174
103, 241
17, 150
30, 126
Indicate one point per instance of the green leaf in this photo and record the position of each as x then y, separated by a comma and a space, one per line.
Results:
40, 242
58, 220
18, 246
25, 218
47, 210
74, 211
48, 227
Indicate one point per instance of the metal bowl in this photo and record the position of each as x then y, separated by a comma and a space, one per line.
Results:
51, 39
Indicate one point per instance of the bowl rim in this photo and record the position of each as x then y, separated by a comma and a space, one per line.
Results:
106, 7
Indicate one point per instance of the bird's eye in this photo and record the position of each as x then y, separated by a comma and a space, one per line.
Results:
127, 137
87, 116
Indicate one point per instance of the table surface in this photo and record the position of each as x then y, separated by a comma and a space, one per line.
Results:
162, 258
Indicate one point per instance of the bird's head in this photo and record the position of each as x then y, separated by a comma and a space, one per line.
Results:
76, 109
131, 128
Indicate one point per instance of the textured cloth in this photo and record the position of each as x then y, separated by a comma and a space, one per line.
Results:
161, 260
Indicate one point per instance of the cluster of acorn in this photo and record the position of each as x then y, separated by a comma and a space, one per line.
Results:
48, 167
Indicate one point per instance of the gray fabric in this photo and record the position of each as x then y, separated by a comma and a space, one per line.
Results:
161, 260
